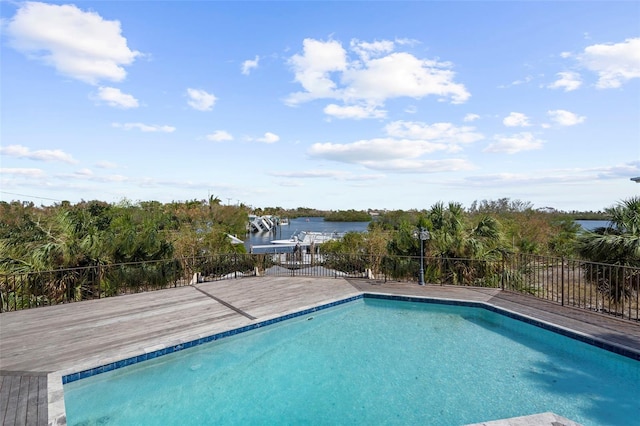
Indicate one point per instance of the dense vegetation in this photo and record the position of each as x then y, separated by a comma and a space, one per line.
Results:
93, 233
347, 216
97, 233
470, 245
489, 229
618, 243
95, 249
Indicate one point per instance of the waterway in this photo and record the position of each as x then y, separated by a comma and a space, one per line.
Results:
590, 225
313, 224
318, 224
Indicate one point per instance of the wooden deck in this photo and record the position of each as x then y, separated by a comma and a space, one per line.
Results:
39, 346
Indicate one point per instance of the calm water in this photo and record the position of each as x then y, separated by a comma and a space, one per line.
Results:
315, 224
590, 225
369, 362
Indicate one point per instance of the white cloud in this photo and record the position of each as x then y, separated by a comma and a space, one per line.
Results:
374, 150
269, 138
312, 69
363, 178
328, 174
106, 165
625, 170
144, 127
112, 178
33, 173
515, 143
311, 174
291, 183
200, 100
407, 41
367, 50
374, 74
387, 154
420, 166
565, 118
49, 155
249, 64
525, 80
567, 80
615, 64
220, 136
502, 180
402, 74
78, 44
403, 148
440, 132
471, 117
354, 111
575, 175
84, 172
88, 175
516, 119
115, 98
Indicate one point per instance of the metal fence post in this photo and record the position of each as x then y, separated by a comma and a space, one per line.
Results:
562, 282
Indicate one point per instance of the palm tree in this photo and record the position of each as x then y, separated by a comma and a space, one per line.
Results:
615, 244
452, 236
467, 251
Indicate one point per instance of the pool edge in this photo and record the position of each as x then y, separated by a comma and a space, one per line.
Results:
565, 331
57, 380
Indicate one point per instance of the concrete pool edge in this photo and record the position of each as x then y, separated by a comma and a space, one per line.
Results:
56, 380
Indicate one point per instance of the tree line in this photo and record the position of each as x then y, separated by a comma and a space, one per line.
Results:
65, 235
491, 230
96, 233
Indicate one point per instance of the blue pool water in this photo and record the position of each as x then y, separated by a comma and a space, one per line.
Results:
369, 362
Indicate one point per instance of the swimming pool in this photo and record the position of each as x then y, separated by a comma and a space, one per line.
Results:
369, 361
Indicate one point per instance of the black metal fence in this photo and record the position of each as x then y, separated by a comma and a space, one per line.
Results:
599, 287
608, 289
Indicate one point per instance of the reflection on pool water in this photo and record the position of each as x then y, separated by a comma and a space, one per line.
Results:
369, 362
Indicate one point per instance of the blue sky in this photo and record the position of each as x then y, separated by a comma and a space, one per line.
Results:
329, 105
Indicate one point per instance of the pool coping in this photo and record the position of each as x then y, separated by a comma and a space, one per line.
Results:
57, 380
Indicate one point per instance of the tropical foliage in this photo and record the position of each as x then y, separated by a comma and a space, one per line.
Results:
618, 243
181, 238
93, 233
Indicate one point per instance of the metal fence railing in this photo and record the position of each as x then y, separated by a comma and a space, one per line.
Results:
609, 289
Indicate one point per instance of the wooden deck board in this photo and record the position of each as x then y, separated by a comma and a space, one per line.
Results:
42, 401
78, 336
9, 399
4, 397
31, 414
23, 398
13, 386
